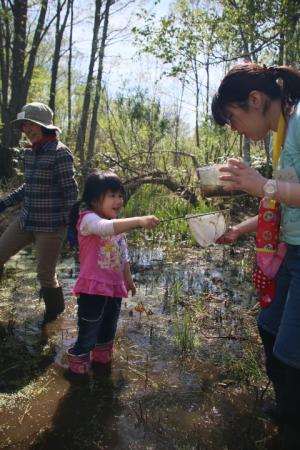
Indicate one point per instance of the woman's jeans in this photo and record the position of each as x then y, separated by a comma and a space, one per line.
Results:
282, 317
97, 321
279, 326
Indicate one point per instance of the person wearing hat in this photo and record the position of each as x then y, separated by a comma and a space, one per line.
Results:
47, 195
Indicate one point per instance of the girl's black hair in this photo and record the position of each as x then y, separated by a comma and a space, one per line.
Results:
96, 185
277, 82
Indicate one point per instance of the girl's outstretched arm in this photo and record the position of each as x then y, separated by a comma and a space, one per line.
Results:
122, 225
93, 224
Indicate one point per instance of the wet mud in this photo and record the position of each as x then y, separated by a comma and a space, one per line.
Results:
187, 371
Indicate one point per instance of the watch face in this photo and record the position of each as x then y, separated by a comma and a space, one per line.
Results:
270, 188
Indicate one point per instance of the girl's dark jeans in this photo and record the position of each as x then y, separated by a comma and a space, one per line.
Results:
97, 321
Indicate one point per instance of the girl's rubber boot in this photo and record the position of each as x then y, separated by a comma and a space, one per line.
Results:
102, 353
78, 364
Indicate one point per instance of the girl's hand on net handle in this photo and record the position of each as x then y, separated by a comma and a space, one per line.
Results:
148, 222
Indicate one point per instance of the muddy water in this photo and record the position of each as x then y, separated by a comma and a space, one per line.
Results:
159, 392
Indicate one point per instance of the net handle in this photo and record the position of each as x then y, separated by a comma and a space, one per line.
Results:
195, 215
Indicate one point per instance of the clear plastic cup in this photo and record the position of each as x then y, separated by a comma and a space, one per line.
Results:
210, 184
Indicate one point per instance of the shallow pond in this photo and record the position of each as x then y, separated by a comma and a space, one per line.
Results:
187, 371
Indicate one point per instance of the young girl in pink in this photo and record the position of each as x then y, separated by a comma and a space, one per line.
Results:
105, 275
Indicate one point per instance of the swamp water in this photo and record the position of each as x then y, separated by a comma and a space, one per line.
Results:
187, 369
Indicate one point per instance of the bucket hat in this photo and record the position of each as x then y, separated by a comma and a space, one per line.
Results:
38, 113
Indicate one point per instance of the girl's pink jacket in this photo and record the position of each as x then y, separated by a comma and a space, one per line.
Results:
102, 260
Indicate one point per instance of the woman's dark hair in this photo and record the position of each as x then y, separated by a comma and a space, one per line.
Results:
96, 185
277, 82
47, 132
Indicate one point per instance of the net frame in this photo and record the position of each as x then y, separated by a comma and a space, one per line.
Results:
208, 227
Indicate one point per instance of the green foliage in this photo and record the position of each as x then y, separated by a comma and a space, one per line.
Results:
39, 86
264, 167
219, 143
137, 128
179, 38
136, 135
139, 139
198, 35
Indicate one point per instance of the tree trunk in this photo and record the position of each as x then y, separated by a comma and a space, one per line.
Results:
70, 73
55, 59
197, 105
19, 78
247, 154
207, 86
281, 49
10, 135
177, 123
80, 141
206, 109
56, 55
38, 36
93, 127
292, 41
5, 39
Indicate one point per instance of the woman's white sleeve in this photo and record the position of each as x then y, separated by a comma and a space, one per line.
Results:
93, 224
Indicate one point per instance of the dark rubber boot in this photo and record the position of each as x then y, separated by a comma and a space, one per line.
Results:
291, 410
276, 372
290, 437
275, 412
54, 302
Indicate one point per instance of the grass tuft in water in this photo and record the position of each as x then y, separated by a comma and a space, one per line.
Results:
184, 333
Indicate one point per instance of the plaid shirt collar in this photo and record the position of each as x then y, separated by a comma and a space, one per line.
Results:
41, 142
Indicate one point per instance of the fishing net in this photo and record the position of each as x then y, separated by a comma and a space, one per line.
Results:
207, 228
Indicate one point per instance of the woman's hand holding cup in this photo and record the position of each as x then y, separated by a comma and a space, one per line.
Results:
243, 178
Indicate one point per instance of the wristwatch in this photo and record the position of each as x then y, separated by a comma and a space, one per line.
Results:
270, 188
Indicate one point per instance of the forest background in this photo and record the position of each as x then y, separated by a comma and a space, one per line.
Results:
130, 82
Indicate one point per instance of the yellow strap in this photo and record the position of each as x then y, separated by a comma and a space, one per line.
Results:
264, 250
278, 141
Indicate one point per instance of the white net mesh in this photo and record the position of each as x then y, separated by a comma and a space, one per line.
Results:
207, 228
